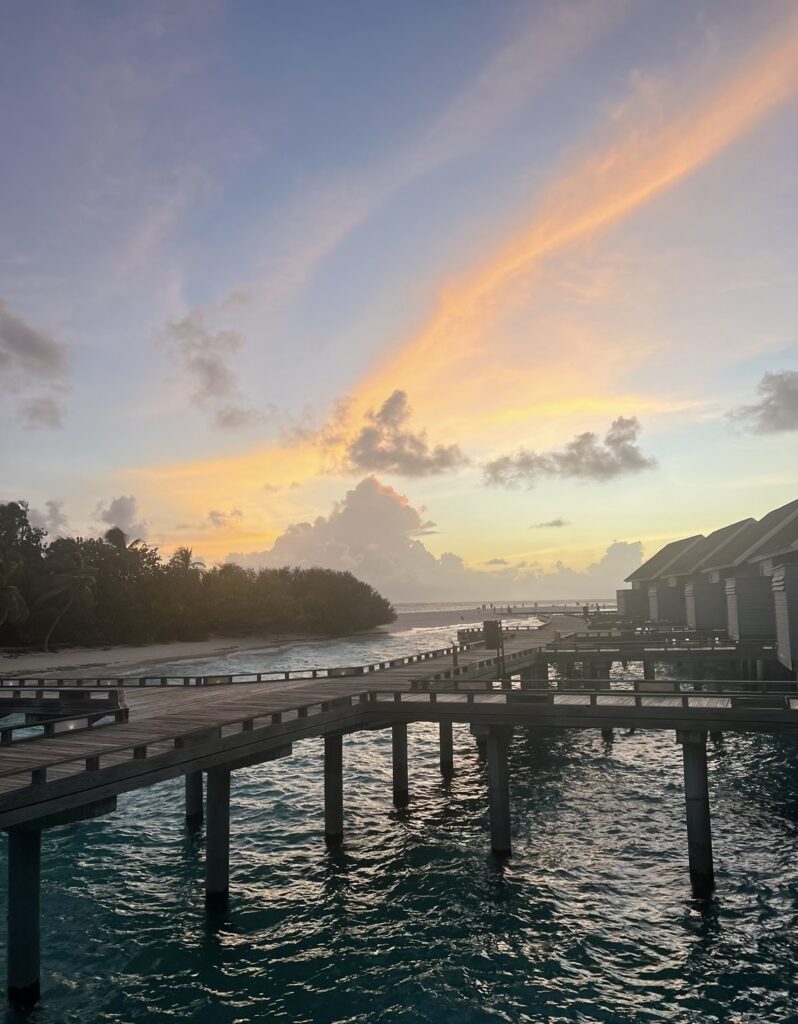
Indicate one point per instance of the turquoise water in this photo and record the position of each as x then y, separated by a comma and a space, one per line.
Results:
592, 919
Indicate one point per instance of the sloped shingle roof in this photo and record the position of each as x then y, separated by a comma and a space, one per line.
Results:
781, 538
659, 564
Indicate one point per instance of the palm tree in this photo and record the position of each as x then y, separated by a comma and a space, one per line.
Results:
74, 582
13, 607
182, 559
117, 538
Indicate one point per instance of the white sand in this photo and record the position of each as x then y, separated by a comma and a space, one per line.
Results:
117, 658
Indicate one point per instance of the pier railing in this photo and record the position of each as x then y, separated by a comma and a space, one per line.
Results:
242, 677
630, 693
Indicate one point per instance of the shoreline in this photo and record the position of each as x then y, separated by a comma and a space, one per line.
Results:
117, 658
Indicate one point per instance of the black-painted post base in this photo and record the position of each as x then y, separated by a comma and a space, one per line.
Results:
24, 915
401, 794
334, 789
696, 794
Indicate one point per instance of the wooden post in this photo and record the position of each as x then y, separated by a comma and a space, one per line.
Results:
333, 788
447, 749
217, 850
602, 670
194, 799
649, 671
24, 894
607, 735
499, 791
401, 795
696, 794
480, 734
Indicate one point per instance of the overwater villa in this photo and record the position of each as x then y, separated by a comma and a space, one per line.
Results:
742, 577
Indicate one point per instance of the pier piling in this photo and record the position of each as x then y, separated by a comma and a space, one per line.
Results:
217, 850
696, 794
499, 790
194, 799
333, 788
401, 794
24, 888
447, 749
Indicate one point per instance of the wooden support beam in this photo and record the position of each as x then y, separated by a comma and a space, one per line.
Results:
480, 734
499, 790
447, 749
401, 795
696, 794
217, 851
194, 799
24, 914
333, 788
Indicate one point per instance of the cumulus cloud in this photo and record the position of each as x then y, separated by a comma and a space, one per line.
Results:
497, 561
219, 519
387, 444
27, 352
550, 524
53, 520
374, 533
777, 408
124, 513
206, 357
587, 457
41, 413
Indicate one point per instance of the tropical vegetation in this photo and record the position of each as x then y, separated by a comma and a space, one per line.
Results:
113, 589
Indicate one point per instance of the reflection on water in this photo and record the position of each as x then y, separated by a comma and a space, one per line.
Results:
592, 919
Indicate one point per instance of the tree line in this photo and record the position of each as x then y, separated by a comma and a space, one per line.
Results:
114, 590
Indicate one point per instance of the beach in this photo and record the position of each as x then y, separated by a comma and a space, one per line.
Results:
117, 659
120, 657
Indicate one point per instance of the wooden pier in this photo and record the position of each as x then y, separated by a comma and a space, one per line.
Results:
118, 735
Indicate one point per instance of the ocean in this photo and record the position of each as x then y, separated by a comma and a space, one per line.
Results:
412, 920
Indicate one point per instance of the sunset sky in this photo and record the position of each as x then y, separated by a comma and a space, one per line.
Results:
379, 268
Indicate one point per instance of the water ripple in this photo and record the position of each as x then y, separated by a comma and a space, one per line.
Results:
592, 919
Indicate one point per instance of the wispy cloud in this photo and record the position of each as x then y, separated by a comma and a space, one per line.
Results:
28, 352
219, 519
777, 408
42, 413
587, 457
508, 81
32, 359
551, 524
653, 142
206, 357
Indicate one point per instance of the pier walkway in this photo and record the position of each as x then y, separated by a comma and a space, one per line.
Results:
94, 748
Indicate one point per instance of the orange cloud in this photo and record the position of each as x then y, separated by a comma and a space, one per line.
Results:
458, 385
648, 154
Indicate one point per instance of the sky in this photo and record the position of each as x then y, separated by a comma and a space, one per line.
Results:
474, 300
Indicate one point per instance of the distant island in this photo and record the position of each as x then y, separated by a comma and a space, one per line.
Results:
112, 589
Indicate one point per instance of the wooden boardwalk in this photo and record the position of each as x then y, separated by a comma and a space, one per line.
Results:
168, 727
128, 734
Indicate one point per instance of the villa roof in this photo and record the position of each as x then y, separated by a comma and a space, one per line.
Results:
715, 549
777, 534
659, 564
